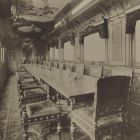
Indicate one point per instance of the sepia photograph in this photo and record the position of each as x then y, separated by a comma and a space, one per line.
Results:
69, 69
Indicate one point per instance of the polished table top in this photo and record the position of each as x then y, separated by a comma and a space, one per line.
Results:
63, 81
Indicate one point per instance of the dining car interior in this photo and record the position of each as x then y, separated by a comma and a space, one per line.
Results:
69, 70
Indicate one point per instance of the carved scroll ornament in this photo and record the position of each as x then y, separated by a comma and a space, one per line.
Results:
131, 20
53, 42
69, 37
102, 29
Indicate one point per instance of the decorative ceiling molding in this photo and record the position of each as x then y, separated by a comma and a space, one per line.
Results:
68, 37
108, 8
52, 42
102, 29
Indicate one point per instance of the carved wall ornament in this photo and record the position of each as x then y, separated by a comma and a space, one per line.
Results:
69, 37
131, 20
102, 29
53, 42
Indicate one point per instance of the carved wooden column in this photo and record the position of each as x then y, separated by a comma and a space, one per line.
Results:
53, 55
60, 50
33, 54
78, 49
81, 43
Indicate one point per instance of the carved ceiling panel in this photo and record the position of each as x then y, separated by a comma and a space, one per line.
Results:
40, 10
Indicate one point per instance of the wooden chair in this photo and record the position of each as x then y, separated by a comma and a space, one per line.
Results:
37, 111
62, 66
52, 64
96, 71
87, 69
124, 71
55, 64
80, 68
32, 95
71, 66
106, 118
38, 116
111, 107
117, 70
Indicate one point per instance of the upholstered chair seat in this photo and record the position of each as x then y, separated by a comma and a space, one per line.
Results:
85, 114
33, 95
37, 118
24, 75
27, 80
42, 108
33, 92
29, 86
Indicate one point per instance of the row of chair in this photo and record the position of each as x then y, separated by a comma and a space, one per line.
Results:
111, 106
108, 118
91, 70
38, 112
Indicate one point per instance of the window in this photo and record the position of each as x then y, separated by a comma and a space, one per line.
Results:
137, 51
56, 54
51, 53
68, 51
94, 48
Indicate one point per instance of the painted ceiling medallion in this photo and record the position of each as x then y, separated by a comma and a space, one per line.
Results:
29, 29
40, 10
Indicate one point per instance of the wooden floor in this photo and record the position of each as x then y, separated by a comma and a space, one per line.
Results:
10, 121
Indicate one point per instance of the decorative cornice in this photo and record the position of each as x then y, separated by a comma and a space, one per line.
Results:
131, 20
68, 37
52, 42
102, 29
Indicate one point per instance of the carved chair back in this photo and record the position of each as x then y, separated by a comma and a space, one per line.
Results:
64, 66
124, 71
79, 68
52, 64
112, 95
87, 69
55, 64
96, 70
117, 70
71, 66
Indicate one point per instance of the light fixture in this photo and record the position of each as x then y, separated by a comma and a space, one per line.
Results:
80, 6
58, 24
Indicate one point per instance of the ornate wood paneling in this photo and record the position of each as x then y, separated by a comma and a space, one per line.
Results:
102, 29
117, 42
68, 37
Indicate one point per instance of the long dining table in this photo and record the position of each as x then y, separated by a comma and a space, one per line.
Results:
65, 82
